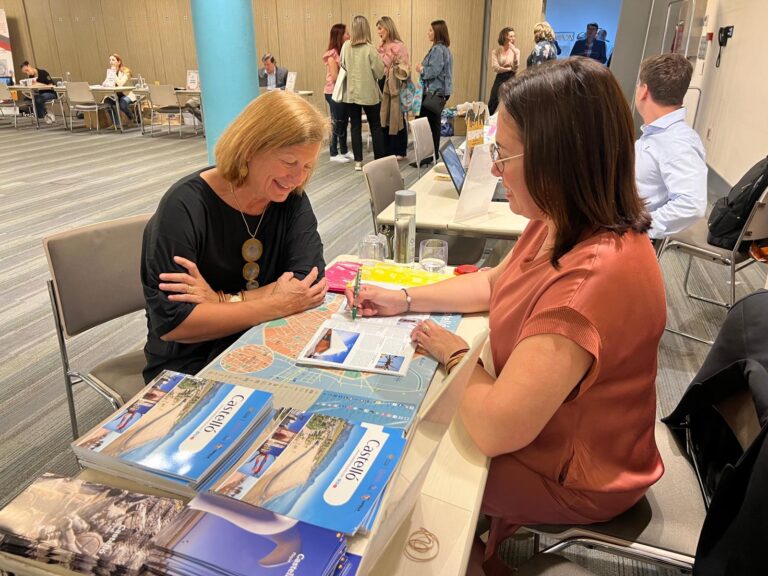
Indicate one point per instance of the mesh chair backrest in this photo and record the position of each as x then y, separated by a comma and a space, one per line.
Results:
423, 145
163, 95
5, 94
383, 178
95, 272
757, 223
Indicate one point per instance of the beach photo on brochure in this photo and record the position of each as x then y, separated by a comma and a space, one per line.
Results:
317, 469
378, 345
176, 432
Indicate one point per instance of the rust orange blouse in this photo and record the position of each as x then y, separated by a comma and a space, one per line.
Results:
607, 297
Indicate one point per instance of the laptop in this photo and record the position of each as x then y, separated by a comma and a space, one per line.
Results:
402, 494
458, 174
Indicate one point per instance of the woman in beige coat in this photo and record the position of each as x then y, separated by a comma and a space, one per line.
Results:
361, 91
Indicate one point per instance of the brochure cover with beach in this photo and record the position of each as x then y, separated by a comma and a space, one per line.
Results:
317, 469
179, 426
234, 538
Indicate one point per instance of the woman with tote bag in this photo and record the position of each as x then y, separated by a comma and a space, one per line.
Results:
357, 86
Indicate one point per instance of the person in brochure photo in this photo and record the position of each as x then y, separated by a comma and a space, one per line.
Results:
235, 244
566, 402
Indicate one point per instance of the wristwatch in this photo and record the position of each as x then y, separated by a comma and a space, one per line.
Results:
236, 297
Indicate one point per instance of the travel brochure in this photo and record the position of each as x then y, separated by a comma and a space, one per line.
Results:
216, 535
84, 526
316, 469
176, 432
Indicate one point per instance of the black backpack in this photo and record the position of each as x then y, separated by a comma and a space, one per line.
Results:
730, 213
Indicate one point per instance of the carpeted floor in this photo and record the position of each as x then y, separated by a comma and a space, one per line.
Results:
51, 180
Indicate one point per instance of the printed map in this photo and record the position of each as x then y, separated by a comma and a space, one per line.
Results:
268, 352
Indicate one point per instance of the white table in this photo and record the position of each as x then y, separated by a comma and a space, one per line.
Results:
449, 503
436, 202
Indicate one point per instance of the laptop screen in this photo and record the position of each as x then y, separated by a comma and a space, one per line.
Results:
453, 165
7, 80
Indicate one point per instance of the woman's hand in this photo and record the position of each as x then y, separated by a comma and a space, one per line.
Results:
294, 295
419, 67
436, 340
189, 287
376, 301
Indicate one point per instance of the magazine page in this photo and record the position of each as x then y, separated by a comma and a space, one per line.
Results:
235, 538
379, 345
181, 425
318, 469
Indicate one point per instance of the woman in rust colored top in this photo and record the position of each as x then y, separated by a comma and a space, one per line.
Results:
566, 407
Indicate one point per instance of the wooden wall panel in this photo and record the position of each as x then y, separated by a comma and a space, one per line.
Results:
188, 35
66, 42
18, 29
169, 25
266, 26
43, 37
137, 30
522, 16
465, 28
90, 39
115, 32
319, 17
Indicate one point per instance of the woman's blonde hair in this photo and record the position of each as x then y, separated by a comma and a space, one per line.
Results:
361, 31
120, 66
275, 120
543, 31
389, 25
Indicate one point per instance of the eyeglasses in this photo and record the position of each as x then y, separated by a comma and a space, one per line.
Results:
499, 162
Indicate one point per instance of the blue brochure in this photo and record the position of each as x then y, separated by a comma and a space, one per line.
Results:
178, 427
317, 469
221, 536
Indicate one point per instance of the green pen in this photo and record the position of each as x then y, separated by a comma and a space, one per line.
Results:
355, 293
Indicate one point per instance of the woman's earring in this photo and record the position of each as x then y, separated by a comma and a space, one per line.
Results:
243, 172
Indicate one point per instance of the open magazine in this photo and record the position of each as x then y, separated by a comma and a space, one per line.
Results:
379, 345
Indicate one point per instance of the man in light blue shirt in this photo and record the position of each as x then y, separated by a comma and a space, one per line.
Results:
670, 166
272, 76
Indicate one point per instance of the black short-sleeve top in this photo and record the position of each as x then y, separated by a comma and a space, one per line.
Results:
194, 222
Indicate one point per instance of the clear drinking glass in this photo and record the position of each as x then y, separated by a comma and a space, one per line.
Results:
372, 248
433, 255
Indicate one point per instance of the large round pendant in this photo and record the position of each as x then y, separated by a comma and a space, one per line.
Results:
252, 250
252, 284
251, 270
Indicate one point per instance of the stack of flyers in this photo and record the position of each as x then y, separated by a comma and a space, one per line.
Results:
317, 469
176, 432
221, 536
84, 527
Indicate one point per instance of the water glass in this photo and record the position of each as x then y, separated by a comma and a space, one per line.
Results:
372, 248
433, 255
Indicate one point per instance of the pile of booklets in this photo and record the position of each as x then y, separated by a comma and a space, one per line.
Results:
176, 433
84, 527
221, 536
315, 468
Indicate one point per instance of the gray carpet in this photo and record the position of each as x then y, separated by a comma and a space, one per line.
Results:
51, 180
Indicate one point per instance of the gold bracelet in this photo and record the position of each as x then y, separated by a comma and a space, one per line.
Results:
222, 297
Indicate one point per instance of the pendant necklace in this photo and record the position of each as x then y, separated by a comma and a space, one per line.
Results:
252, 248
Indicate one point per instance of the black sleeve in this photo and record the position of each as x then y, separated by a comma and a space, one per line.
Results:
43, 77
169, 233
304, 249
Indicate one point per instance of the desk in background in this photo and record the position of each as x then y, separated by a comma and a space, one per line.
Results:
436, 202
29, 92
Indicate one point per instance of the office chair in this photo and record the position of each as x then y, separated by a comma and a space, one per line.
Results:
8, 103
94, 279
423, 145
662, 528
693, 242
80, 99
